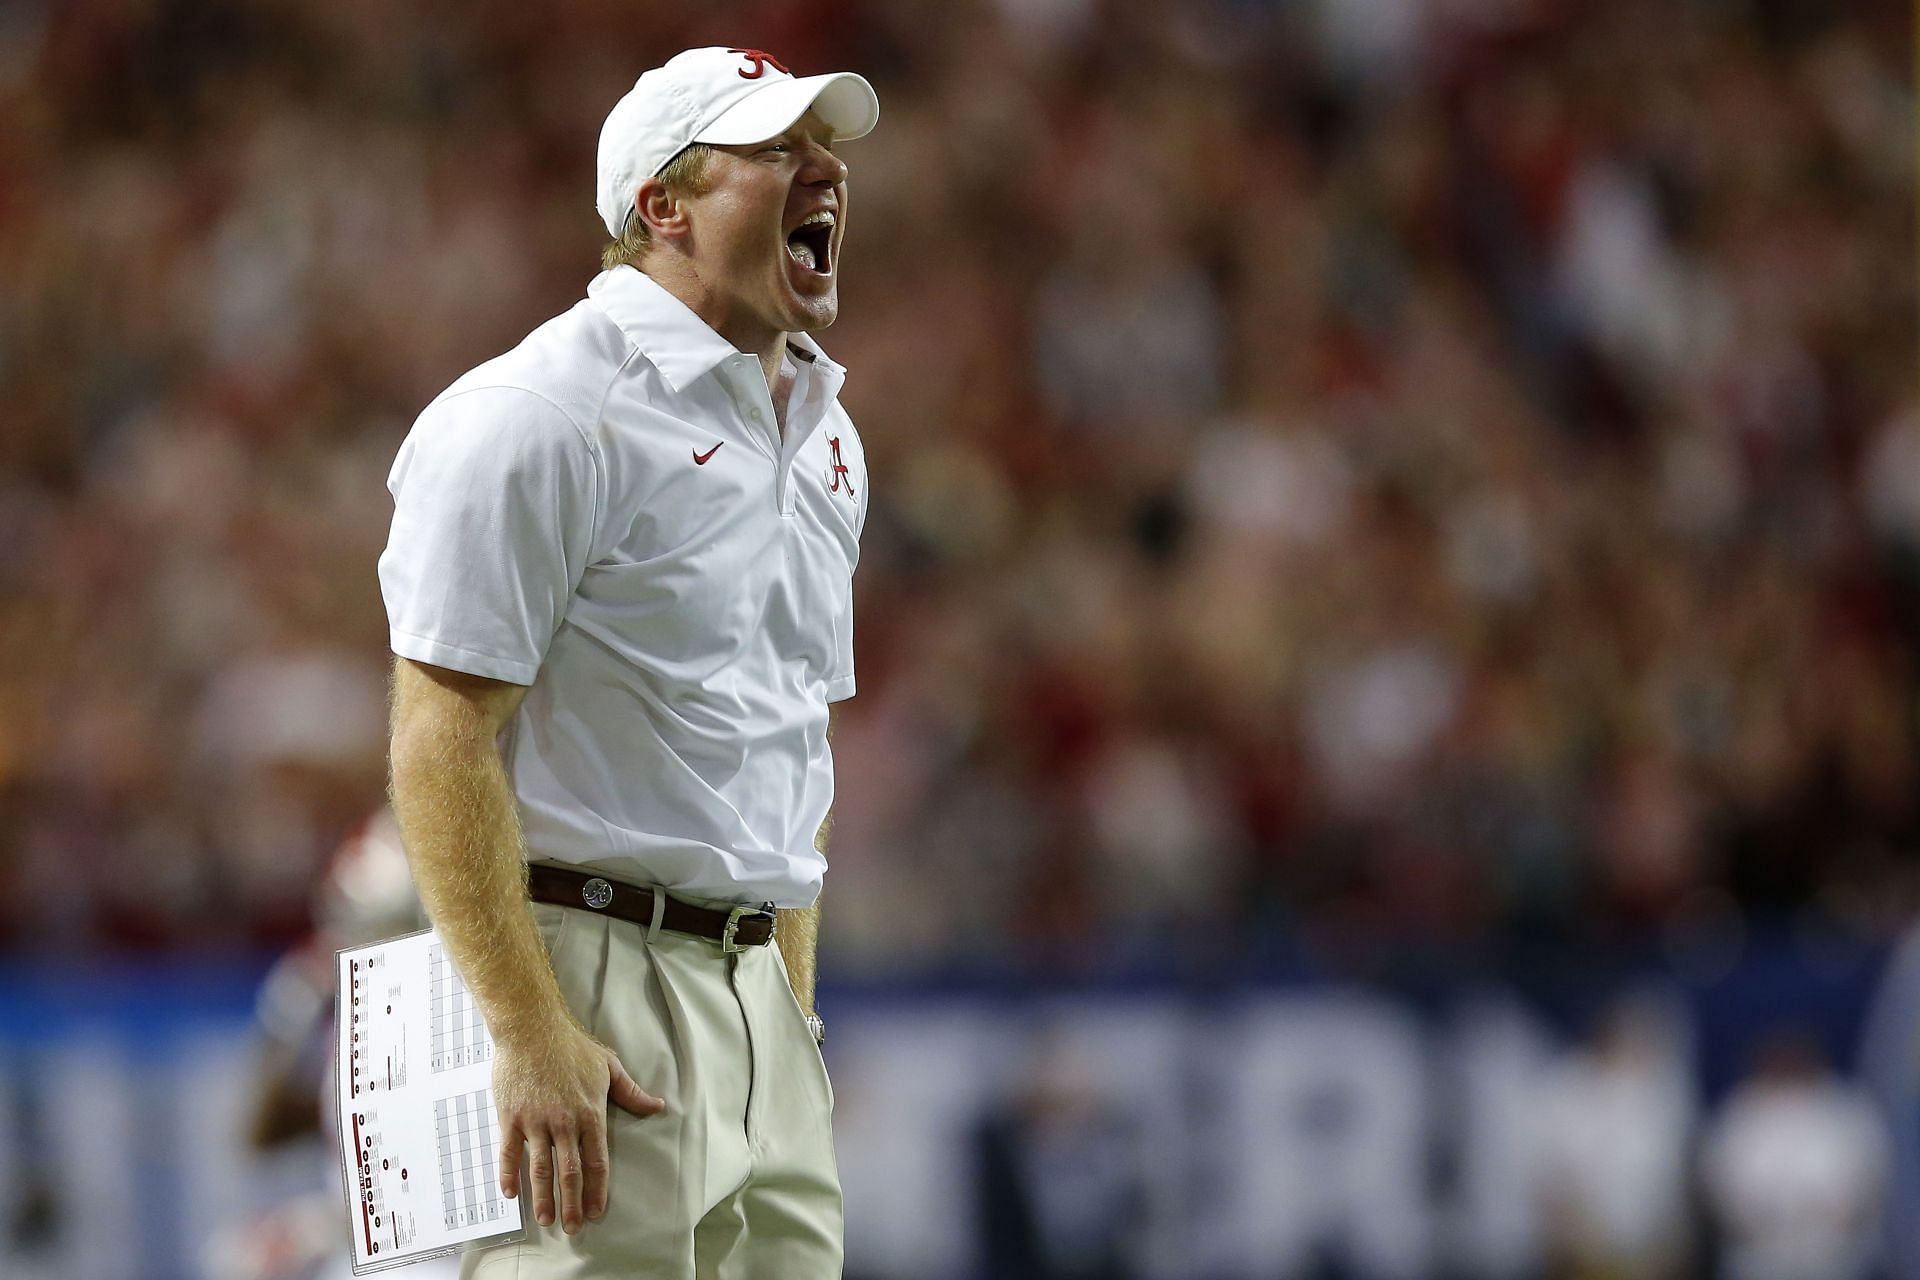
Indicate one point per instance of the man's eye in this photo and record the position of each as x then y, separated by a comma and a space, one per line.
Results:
780, 148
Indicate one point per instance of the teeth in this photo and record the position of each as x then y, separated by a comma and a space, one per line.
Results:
802, 253
823, 218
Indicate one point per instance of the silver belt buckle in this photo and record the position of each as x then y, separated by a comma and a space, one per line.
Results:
728, 935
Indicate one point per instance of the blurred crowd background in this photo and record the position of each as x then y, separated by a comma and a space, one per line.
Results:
1374, 488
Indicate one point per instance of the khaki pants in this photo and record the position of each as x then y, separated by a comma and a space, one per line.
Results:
735, 1180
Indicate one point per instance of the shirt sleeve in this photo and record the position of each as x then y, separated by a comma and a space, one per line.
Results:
496, 498
840, 684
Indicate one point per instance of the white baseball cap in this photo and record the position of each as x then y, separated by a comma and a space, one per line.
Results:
725, 96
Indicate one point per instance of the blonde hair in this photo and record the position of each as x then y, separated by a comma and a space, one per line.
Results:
686, 173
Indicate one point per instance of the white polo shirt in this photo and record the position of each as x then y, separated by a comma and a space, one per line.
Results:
609, 514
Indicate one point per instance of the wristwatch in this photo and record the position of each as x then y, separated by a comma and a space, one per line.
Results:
817, 1025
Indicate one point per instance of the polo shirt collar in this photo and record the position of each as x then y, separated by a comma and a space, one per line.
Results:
681, 345
819, 359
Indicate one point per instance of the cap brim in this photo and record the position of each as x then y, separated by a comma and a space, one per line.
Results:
844, 101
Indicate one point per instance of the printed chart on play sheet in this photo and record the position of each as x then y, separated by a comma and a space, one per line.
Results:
418, 1134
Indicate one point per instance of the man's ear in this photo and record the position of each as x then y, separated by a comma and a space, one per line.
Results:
663, 211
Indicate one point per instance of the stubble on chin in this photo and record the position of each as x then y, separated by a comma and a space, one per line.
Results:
814, 315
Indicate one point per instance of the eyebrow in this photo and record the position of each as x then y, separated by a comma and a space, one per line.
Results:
824, 135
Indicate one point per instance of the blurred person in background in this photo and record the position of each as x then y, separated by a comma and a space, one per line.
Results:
1614, 1131
1890, 1070
1794, 1166
1059, 1185
366, 895
31, 1226
619, 582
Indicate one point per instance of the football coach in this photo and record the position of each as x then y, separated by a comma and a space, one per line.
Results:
619, 586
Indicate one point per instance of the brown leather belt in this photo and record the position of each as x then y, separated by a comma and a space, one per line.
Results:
734, 930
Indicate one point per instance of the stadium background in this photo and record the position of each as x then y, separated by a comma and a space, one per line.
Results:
1386, 743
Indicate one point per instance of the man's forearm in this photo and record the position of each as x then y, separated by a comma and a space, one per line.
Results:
798, 929
462, 833
798, 932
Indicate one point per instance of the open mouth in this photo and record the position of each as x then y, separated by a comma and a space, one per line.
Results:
811, 243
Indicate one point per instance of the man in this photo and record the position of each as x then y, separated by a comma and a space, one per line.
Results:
625, 550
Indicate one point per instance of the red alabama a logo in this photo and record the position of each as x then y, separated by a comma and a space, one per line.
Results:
838, 471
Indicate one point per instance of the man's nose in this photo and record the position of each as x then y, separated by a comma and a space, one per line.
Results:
823, 168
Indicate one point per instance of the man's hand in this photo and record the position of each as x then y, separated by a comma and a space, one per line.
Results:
552, 1096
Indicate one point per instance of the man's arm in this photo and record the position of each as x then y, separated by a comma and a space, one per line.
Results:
798, 933
798, 928
461, 828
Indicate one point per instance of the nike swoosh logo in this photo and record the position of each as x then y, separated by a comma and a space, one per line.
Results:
700, 459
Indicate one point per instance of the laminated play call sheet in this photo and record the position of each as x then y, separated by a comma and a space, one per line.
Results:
420, 1141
